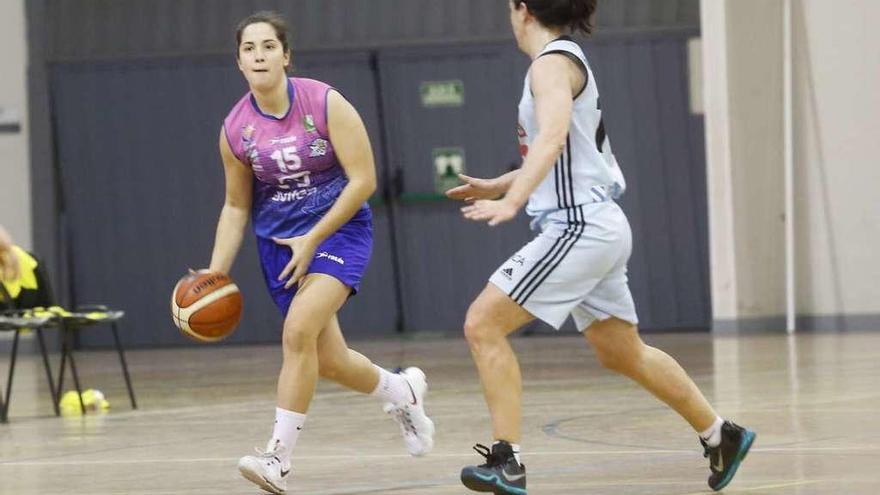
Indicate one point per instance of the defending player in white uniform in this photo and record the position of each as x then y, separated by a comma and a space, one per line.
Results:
570, 268
577, 263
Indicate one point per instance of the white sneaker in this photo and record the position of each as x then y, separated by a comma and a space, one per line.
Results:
415, 425
268, 469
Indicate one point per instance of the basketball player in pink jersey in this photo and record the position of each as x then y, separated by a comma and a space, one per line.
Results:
298, 162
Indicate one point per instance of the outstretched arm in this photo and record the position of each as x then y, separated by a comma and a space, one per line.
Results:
550, 82
474, 188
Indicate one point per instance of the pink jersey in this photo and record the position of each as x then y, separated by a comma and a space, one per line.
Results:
297, 177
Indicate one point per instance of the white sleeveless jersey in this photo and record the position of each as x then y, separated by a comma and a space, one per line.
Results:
586, 171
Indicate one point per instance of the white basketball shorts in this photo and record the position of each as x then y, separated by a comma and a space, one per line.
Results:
576, 266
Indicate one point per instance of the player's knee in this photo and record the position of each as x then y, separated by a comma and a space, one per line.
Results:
472, 330
298, 339
477, 327
611, 360
616, 351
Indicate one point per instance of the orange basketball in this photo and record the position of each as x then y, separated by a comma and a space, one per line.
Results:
206, 306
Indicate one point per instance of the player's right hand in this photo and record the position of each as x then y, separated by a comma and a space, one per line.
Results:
474, 189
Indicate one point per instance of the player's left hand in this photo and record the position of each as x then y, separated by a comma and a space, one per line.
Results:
492, 211
303, 251
9, 266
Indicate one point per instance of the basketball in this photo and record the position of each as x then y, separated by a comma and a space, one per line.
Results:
206, 306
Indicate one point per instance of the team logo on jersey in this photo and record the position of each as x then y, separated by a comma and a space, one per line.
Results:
249, 143
247, 133
318, 147
309, 123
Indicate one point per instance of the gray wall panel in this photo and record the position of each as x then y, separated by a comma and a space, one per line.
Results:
445, 260
643, 86
100, 29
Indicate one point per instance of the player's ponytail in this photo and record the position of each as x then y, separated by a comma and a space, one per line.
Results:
575, 15
581, 15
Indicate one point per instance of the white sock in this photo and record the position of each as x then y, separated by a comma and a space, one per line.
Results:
288, 424
712, 436
391, 387
514, 447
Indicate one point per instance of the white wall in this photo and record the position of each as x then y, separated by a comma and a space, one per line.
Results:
15, 194
742, 50
837, 156
716, 102
837, 151
754, 50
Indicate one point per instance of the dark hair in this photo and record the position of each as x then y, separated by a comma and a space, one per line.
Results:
573, 14
274, 19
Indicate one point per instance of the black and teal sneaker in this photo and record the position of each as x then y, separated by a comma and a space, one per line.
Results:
501, 474
725, 459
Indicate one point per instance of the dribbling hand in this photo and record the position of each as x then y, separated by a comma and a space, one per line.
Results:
303, 251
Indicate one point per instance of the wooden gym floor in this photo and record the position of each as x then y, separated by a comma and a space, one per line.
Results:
813, 399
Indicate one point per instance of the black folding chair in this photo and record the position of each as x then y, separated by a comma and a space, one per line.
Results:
35, 310
15, 321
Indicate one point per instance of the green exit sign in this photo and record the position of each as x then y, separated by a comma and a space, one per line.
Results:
442, 93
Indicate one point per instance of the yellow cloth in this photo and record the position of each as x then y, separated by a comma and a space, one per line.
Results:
28, 277
41, 312
93, 400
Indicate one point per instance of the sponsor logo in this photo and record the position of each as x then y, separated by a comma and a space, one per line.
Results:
512, 477
247, 132
205, 284
507, 272
318, 147
331, 257
518, 259
282, 140
413, 393
719, 467
288, 196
